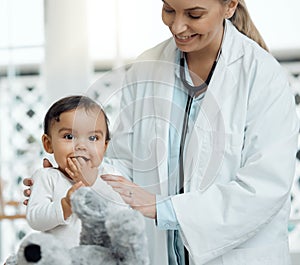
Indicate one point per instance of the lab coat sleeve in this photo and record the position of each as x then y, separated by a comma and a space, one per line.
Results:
165, 214
43, 212
214, 221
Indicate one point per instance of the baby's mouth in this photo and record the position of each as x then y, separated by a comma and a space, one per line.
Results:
83, 157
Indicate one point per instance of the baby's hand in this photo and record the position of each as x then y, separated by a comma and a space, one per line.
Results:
75, 187
66, 201
82, 170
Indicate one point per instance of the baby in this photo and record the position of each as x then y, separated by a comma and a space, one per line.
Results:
76, 133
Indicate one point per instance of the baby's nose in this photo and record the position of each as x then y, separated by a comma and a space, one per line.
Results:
80, 144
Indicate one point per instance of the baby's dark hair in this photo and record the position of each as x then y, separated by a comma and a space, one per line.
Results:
71, 103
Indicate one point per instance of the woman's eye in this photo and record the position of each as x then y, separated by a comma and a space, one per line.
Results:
168, 9
93, 138
69, 136
194, 16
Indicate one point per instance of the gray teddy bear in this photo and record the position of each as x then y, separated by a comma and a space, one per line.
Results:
111, 234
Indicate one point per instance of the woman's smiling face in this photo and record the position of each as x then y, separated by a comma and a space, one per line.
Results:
195, 24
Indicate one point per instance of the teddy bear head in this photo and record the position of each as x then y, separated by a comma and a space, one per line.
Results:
37, 248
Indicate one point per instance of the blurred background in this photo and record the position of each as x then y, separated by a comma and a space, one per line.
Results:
53, 48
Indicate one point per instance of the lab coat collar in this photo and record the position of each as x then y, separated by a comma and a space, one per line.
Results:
210, 118
232, 48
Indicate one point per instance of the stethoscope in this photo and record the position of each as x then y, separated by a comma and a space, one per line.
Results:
192, 91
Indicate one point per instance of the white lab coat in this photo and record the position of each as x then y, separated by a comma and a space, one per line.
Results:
239, 155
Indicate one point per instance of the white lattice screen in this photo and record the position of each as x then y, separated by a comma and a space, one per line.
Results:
22, 111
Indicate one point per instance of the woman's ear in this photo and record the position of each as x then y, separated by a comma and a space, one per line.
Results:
46, 140
231, 7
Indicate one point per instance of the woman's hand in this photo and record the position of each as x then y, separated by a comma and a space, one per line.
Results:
29, 182
135, 196
81, 170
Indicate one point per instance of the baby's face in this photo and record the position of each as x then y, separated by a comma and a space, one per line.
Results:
79, 134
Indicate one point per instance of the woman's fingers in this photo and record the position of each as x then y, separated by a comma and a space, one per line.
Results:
26, 193
27, 182
135, 196
123, 192
25, 202
124, 187
121, 185
46, 163
119, 182
109, 177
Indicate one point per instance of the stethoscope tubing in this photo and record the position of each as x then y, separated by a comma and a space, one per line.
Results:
182, 141
192, 91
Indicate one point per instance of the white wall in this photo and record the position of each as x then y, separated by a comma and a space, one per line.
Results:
278, 22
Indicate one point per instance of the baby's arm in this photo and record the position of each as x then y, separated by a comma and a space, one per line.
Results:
66, 201
44, 211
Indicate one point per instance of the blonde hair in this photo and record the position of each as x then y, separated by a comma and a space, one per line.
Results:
243, 22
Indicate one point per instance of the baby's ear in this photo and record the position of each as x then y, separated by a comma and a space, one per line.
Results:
106, 145
46, 139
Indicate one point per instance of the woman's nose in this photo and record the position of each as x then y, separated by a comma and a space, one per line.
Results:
178, 24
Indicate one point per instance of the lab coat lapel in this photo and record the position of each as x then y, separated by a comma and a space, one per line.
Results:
209, 130
223, 81
162, 104
163, 78
220, 92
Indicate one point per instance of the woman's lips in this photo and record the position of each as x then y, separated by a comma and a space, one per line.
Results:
185, 38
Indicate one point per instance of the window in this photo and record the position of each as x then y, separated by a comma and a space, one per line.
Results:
121, 30
22, 32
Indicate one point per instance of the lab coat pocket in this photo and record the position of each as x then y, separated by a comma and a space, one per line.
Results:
213, 153
275, 254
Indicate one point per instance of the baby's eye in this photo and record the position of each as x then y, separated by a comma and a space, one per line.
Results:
69, 136
93, 138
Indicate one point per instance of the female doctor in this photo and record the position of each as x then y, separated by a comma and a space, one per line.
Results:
210, 163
